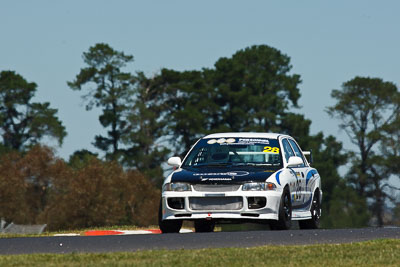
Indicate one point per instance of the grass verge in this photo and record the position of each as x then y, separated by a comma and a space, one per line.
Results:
371, 253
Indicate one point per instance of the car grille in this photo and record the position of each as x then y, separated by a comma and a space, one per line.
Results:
216, 203
216, 187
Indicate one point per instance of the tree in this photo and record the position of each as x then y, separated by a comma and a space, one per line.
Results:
13, 206
346, 208
101, 193
146, 146
24, 123
190, 107
255, 89
37, 187
367, 107
390, 145
80, 158
25, 181
251, 91
396, 214
110, 89
341, 205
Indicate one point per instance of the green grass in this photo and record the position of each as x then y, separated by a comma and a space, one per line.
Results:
371, 253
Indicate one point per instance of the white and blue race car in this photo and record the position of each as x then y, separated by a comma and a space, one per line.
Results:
234, 177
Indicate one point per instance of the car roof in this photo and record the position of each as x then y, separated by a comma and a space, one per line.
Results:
245, 135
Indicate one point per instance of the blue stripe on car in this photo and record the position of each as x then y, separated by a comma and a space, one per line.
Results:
310, 174
277, 177
305, 205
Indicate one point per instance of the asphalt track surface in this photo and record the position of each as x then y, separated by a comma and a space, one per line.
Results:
127, 243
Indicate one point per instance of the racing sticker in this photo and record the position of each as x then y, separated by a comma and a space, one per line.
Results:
216, 179
252, 141
221, 141
239, 141
237, 173
268, 149
211, 141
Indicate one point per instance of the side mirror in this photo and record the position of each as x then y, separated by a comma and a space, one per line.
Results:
294, 161
174, 161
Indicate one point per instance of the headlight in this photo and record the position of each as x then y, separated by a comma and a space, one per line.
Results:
258, 186
177, 187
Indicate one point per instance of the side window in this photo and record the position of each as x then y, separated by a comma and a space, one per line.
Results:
297, 151
288, 150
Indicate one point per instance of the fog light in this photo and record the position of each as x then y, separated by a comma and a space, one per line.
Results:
177, 203
256, 202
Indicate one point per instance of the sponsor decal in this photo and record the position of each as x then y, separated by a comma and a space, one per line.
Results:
211, 141
221, 141
231, 174
216, 179
240, 141
235, 173
253, 141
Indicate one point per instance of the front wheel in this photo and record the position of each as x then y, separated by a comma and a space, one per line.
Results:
315, 210
285, 213
170, 226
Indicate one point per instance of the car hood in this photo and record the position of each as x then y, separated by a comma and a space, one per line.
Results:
221, 175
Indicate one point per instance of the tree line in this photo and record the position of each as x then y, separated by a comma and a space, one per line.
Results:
149, 118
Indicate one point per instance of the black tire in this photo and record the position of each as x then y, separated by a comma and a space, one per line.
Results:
285, 213
315, 209
168, 226
202, 226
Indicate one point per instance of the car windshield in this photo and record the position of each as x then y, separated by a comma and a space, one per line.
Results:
234, 152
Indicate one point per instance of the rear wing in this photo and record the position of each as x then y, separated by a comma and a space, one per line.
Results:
309, 154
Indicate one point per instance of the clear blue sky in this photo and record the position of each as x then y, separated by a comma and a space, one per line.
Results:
329, 42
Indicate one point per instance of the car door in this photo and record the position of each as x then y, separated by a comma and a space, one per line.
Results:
301, 171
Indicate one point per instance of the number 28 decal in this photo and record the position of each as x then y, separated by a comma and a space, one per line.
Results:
268, 149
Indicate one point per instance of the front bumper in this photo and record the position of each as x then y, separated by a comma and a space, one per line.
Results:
187, 212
